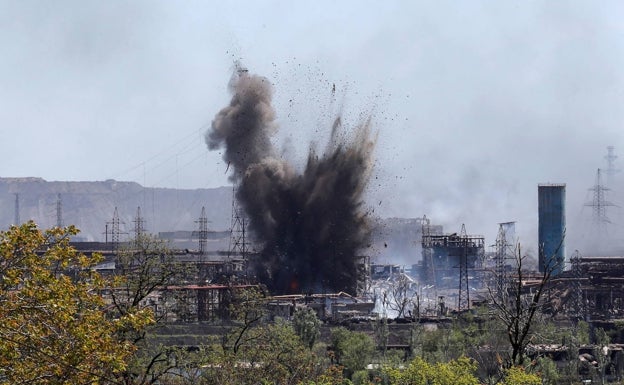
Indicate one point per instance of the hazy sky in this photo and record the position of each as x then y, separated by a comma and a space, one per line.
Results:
475, 103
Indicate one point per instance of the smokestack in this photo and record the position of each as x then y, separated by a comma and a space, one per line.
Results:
311, 226
551, 226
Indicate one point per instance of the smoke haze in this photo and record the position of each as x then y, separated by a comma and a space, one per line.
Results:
310, 225
475, 102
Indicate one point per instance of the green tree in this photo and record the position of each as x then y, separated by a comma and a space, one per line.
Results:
382, 333
307, 326
144, 271
602, 353
419, 372
281, 357
547, 369
353, 350
431, 345
516, 375
256, 352
360, 378
53, 327
247, 310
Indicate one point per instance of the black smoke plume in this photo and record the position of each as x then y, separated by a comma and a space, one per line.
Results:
310, 226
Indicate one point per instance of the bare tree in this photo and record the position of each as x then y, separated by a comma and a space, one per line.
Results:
400, 295
519, 304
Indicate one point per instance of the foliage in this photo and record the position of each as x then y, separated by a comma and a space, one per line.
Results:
247, 310
417, 332
430, 345
307, 326
360, 378
602, 353
382, 333
547, 370
516, 375
419, 372
143, 273
582, 333
353, 350
53, 328
144, 268
254, 351
281, 356
268, 353
331, 376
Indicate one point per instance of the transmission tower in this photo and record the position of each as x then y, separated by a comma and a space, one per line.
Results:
139, 227
504, 251
59, 211
578, 306
115, 231
611, 170
17, 210
202, 231
238, 231
427, 251
463, 300
599, 205
203, 240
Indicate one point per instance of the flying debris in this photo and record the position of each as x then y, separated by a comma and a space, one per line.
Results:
310, 225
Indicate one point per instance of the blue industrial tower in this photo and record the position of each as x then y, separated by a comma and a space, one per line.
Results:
551, 227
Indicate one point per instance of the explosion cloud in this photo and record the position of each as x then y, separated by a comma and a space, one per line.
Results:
310, 226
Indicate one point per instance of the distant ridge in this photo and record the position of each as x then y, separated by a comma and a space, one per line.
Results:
90, 205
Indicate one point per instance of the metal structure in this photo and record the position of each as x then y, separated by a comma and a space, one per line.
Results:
202, 235
578, 307
505, 249
611, 170
139, 226
202, 231
601, 285
551, 227
444, 254
363, 288
599, 204
238, 232
115, 231
463, 299
427, 252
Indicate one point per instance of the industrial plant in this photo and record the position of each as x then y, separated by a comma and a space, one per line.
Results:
308, 234
304, 238
449, 271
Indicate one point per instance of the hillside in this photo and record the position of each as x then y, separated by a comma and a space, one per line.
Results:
90, 205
